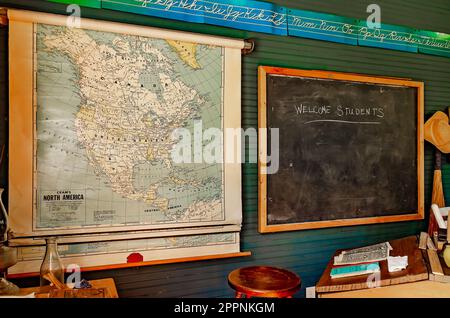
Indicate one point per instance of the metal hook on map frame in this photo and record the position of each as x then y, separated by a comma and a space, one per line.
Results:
249, 46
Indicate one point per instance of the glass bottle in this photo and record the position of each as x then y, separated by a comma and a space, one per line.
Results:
51, 263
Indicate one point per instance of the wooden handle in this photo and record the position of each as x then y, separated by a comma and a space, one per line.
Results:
438, 160
52, 278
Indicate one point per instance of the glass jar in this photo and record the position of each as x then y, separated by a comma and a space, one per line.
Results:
52, 263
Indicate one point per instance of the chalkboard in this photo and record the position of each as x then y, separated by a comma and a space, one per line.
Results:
349, 149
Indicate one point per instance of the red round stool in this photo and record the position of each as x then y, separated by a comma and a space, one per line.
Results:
264, 281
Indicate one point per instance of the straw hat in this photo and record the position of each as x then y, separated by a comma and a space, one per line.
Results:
437, 131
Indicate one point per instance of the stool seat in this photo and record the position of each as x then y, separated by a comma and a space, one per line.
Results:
264, 281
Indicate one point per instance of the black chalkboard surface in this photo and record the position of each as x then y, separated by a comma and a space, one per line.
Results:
349, 149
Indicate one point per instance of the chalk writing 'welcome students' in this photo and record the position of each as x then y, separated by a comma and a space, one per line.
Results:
340, 110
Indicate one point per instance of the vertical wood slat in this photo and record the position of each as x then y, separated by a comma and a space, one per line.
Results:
21, 85
435, 264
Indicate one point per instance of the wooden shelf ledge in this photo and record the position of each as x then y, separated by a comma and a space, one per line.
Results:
142, 264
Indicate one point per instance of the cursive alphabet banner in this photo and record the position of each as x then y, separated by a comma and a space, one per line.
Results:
388, 36
434, 43
266, 17
85, 3
321, 26
246, 15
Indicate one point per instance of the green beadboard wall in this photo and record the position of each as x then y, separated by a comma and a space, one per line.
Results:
304, 252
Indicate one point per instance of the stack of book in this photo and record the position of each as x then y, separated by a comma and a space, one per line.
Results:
360, 261
355, 270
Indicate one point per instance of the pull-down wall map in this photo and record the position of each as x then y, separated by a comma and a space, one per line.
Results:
111, 103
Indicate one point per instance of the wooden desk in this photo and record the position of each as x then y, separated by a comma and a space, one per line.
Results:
422, 289
107, 283
416, 271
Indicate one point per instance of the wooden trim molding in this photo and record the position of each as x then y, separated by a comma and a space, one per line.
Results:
262, 146
142, 264
263, 225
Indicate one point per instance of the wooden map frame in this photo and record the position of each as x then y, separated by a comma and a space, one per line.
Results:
263, 225
22, 159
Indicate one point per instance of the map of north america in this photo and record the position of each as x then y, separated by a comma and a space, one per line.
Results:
107, 105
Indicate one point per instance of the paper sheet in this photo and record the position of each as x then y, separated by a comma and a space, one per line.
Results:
397, 263
372, 253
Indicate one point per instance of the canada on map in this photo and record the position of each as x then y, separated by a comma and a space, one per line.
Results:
107, 105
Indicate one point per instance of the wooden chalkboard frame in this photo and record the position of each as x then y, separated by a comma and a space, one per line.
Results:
263, 225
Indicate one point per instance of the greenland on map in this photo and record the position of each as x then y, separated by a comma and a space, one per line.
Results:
107, 105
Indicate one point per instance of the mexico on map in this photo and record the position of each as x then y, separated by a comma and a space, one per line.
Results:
107, 105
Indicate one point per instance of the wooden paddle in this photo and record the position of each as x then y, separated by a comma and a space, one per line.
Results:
437, 195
